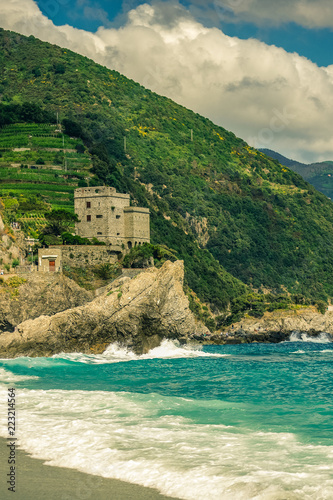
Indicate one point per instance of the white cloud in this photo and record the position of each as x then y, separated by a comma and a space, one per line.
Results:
269, 97
308, 13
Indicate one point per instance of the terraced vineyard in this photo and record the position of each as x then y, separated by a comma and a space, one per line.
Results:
40, 159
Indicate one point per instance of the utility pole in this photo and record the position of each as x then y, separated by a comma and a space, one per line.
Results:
32, 259
63, 148
191, 134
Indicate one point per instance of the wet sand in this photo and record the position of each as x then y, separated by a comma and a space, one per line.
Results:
36, 481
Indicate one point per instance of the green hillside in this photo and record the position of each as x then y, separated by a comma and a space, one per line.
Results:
320, 175
236, 216
40, 159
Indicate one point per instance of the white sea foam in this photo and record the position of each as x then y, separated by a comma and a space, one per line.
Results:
142, 438
8, 377
172, 349
116, 353
323, 338
324, 351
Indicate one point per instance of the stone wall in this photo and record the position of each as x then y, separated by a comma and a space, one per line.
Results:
86, 255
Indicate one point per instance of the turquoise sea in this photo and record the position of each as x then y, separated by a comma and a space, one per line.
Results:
251, 421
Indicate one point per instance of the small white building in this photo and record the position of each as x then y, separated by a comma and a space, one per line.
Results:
49, 260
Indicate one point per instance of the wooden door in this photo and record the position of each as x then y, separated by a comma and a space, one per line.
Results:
52, 265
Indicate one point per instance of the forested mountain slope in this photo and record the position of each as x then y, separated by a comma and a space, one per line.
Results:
236, 216
320, 175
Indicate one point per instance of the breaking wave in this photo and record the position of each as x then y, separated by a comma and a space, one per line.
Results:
8, 377
322, 338
169, 349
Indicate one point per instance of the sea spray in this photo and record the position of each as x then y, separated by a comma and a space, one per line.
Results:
115, 353
321, 338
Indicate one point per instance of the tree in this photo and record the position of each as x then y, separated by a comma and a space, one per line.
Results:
72, 128
58, 222
59, 68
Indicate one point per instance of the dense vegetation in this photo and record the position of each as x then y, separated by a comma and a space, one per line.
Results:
320, 175
238, 218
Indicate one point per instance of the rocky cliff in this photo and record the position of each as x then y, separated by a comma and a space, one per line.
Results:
35, 295
137, 313
11, 245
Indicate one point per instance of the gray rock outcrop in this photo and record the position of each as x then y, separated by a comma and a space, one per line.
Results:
39, 295
306, 319
11, 245
137, 313
278, 326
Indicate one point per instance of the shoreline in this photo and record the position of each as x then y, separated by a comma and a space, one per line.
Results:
37, 481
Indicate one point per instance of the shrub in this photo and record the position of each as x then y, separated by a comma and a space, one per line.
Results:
107, 271
139, 256
321, 306
210, 323
15, 281
59, 69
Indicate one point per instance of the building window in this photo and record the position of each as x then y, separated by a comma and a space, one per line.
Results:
99, 233
99, 216
88, 218
88, 204
117, 216
118, 234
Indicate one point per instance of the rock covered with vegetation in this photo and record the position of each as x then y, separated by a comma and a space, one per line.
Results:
137, 313
12, 246
279, 326
303, 319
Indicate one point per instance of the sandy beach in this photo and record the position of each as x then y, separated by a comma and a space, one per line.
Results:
36, 481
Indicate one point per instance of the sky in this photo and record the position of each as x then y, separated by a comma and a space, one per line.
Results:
260, 68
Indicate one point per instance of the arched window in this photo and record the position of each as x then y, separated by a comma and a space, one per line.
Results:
129, 244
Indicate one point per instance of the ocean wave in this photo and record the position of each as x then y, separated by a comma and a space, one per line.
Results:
322, 338
151, 440
323, 351
169, 349
7, 376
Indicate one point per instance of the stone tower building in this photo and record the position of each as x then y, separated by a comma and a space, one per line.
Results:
107, 215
